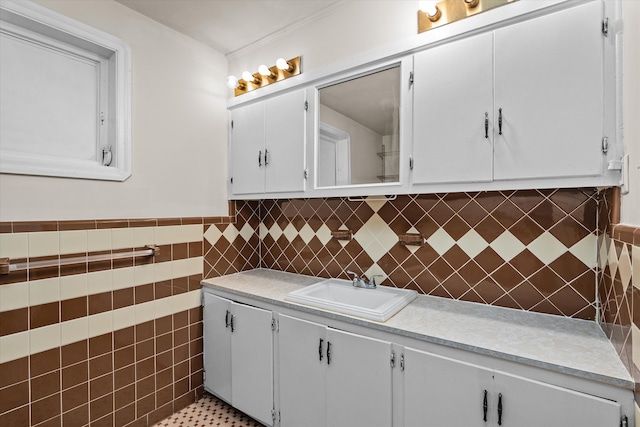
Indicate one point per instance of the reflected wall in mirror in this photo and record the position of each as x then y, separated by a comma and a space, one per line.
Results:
358, 135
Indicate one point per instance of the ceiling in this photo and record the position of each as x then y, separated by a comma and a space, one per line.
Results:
229, 25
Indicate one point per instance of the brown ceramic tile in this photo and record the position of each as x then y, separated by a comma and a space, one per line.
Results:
144, 331
45, 385
101, 407
192, 220
100, 365
165, 378
14, 276
14, 396
123, 357
145, 386
6, 227
179, 251
126, 415
125, 396
123, 337
195, 330
160, 414
71, 269
145, 349
163, 289
195, 347
76, 417
74, 353
75, 397
180, 336
164, 255
181, 319
195, 249
184, 400
163, 325
196, 363
164, 342
180, 387
100, 303
181, 353
106, 421
45, 409
14, 371
112, 223
180, 285
17, 417
73, 308
122, 298
164, 360
526, 295
169, 221
142, 222
44, 315
100, 386
125, 376
143, 293
34, 226
164, 395
145, 405
75, 374
76, 225
145, 368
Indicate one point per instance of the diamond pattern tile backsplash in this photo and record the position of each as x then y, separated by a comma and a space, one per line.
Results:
532, 249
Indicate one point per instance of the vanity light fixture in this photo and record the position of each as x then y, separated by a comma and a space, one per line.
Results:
265, 75
434, 14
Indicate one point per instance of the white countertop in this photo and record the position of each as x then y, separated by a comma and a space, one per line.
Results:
571, 346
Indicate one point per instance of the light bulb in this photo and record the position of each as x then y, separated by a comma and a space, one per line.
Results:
264, 70
247, 77
429, 7
282, 64
232, 82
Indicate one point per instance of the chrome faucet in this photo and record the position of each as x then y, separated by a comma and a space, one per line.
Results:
361, 282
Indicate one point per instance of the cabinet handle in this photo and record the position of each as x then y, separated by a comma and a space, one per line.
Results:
320, 349
500, 409
231, 323
328, 353
486, 125
226, 319
266, 157
485, 406
499, 121
260, 158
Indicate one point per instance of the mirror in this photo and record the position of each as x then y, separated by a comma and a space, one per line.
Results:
358, 135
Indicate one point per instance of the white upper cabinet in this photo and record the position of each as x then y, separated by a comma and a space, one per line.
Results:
268, 145
549, 87
453, 112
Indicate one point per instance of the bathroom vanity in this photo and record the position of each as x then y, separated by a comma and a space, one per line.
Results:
437, 362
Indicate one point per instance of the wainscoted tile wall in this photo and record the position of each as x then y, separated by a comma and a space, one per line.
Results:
102, 342
533, 250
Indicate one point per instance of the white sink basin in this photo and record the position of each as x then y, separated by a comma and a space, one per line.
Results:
341, 296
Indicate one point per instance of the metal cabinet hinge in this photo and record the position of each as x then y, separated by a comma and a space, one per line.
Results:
275, 415
393, 359
605, 145
107, 156
306, 174
402, 362
624, 421
102, 117
605, 27
306, 105
204, 375
274, 325
411, 79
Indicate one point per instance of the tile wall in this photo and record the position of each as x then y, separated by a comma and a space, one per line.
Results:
533, 250
100, 343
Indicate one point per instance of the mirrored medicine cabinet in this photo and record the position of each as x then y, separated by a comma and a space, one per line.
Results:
358, 130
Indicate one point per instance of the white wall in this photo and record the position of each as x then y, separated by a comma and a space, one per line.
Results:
630, 212
360, 26
179, 131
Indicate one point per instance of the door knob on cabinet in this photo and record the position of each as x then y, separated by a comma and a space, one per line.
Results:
260, 158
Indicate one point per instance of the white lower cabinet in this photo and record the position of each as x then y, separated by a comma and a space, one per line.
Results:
442, 392
238, 355
332, 378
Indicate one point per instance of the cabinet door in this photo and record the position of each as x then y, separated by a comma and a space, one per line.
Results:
442, 392
252, 363
247, 149
217, 346
528, 403
303, 365
549, 85
285, 142
453, 96
358, 380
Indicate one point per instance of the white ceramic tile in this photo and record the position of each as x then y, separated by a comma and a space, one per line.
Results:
14, 245
382, 232
262, 230
100, 324
472, 243
123, 278
547, 248
364, 236
73, 286
306, 233
143, 274
196, 265
44, 338
168, 235
290, 232
181, 268
586, 250
612, 258
275, 231
143, 236
440, 241
375, 250
44, 291
212, 234
14, 346
122, 238
163, 307
99, 281
73, 242
44, 243
99, 240
124, 317
635, 254
324, 234
74, 330
145, 312
246, 232
162, 271
375, 203
376, 270
186, 301
191, 233
603, 248
508, 246
14, 296
624, 267
230, 233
